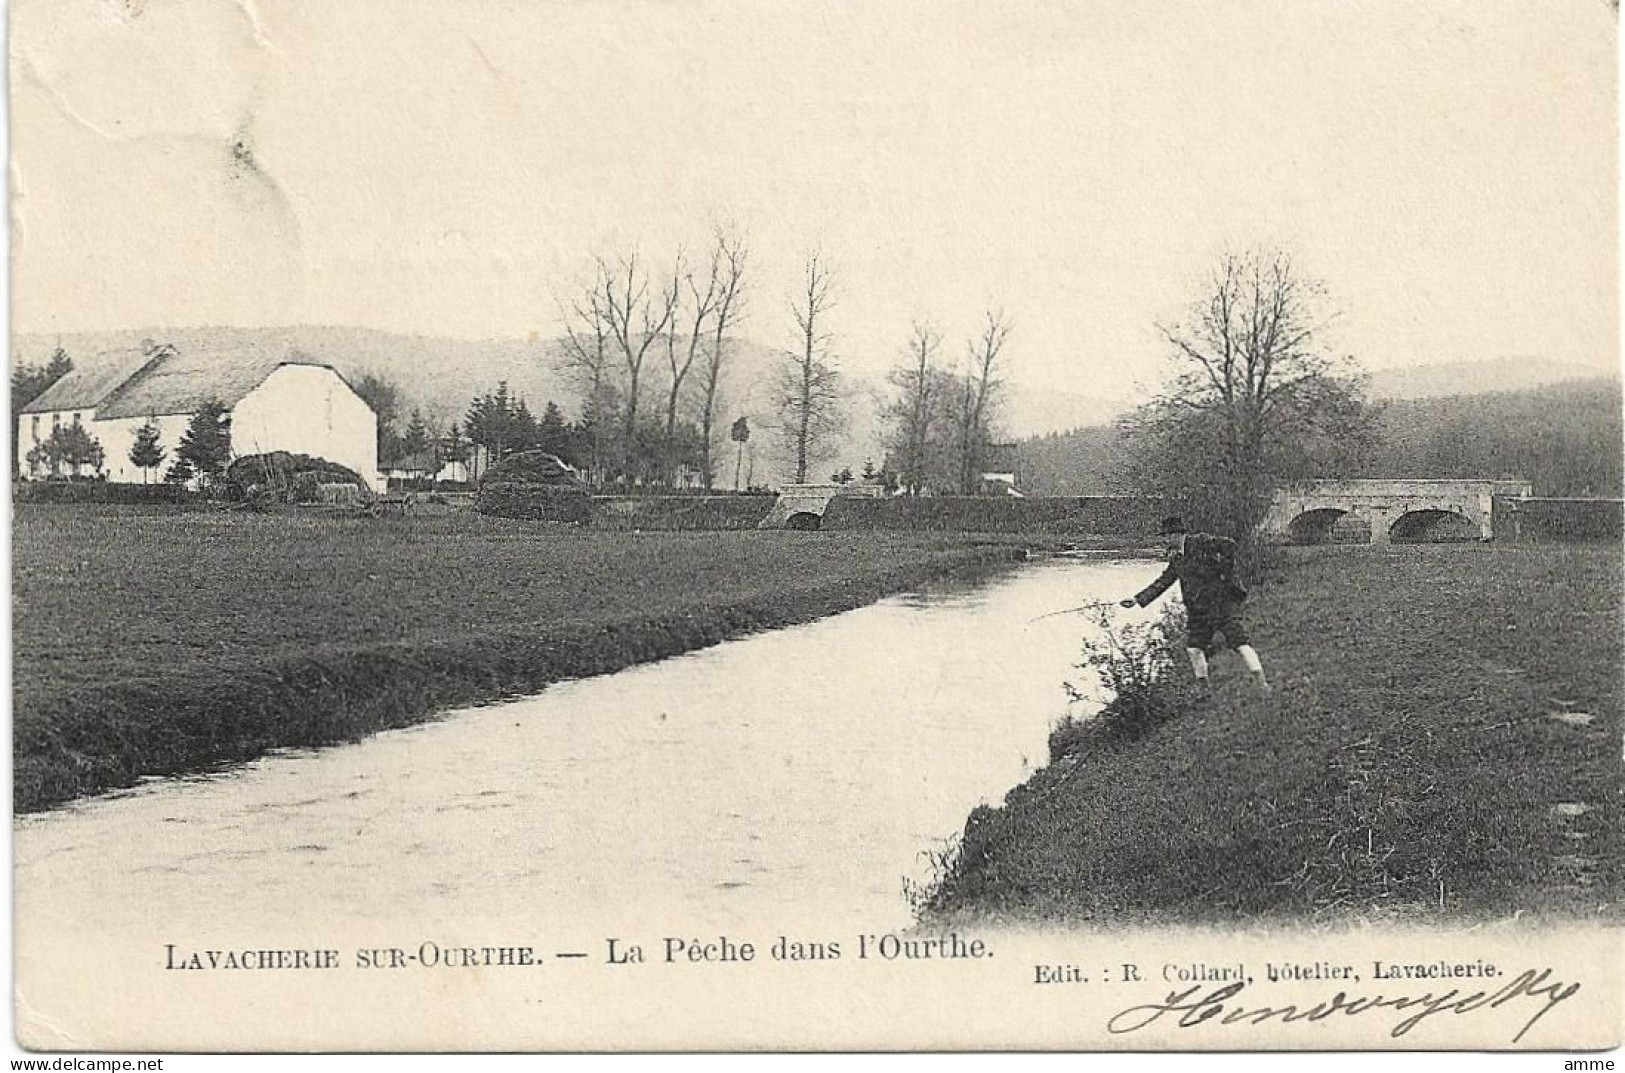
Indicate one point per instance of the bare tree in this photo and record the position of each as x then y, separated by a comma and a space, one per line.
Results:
978, 394
587, 360
703, 304
809, 395
921, 394
626, 296
1254, 398
728, 257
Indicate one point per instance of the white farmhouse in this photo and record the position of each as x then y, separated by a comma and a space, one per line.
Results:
279, 400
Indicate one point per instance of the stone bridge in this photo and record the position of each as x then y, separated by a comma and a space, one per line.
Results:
801, 506
1387, 511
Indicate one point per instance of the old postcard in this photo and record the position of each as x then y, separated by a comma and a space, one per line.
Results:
648, 525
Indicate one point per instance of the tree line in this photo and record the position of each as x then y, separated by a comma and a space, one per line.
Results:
938, 423
1254, 396
680, 320
627, 315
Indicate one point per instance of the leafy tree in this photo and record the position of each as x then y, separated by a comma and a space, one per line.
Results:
740, 434
384, 396
79, 448
587, 437
554, 436
433, 438
180, 472
206, 444
1254, 399
71, 446
488, 423
146, 452
501, 424
415, 440
684, 450
454, 446
39, 458
29, 382
523, 432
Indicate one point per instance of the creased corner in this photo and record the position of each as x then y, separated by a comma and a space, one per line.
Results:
35, 1031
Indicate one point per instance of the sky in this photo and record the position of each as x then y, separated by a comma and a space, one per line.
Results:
450, 167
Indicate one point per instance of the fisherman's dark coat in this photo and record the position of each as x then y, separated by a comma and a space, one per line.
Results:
1206, 572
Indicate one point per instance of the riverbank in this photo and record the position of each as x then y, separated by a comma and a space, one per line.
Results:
166, 641
1443, 744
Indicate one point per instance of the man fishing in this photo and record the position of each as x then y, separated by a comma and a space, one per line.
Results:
1204, 565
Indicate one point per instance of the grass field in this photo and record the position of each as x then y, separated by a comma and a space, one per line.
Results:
163, 640
1427, 755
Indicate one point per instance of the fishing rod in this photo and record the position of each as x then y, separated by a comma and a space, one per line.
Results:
1092, 606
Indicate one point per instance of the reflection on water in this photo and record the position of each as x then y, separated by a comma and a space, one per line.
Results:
794, 775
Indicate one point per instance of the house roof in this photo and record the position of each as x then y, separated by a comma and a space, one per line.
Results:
89, 382
131, 384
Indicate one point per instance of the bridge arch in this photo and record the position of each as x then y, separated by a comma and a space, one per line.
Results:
802, 506
1444, 510
1432, 525
1328, 525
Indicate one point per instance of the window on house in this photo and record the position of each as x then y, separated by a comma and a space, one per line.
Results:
75, 420
34, 427
56, 421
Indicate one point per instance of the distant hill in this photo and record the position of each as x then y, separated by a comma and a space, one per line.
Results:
1477, 377
441, 376
1566, 437
1082, 462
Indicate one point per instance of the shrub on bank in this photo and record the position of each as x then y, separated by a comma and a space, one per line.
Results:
1137, 665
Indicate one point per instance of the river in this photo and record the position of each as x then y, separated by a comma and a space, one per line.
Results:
803, 774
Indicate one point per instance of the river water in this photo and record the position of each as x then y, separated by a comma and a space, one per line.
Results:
801, 774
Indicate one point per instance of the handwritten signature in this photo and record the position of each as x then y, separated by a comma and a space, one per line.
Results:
1216, 1006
